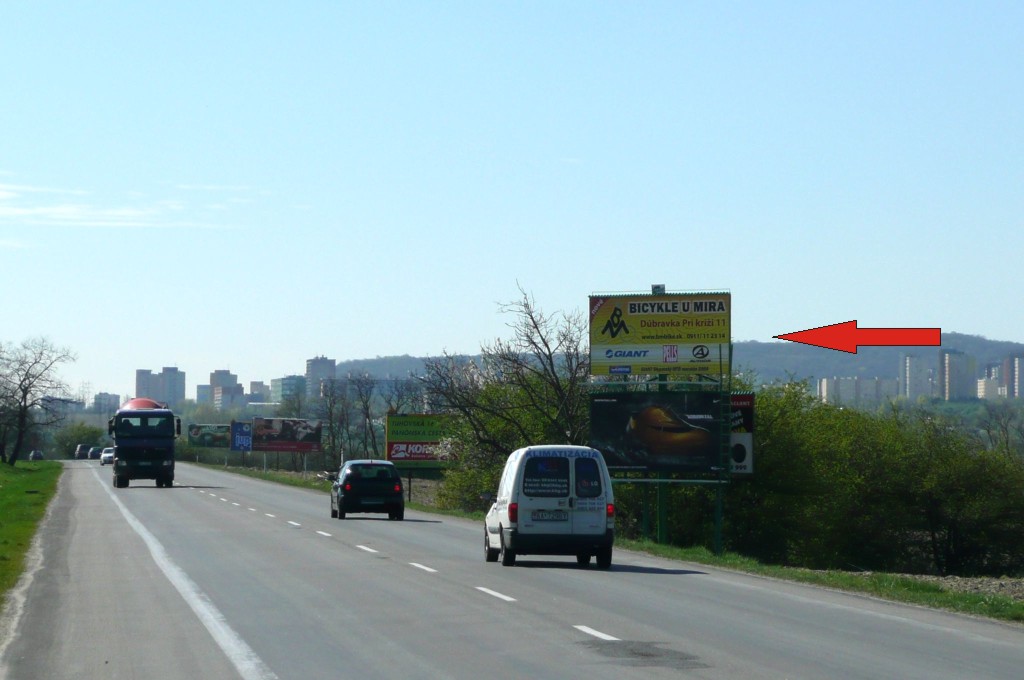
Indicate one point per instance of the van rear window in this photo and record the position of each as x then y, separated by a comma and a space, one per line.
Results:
588, 478
548, 477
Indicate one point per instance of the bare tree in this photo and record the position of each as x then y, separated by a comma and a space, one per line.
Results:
28, 377
548, 358
364, 386
997, 422
402, 395
335, 408
528, 389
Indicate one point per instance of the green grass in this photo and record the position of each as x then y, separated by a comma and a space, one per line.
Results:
885, 586
25, 492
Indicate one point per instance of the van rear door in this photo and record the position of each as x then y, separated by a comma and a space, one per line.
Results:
544, 501
590, 502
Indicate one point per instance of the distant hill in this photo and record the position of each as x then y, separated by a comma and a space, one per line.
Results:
772, 361
780, 360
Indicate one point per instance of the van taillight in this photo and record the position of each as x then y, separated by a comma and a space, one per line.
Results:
611, 511
398, 488
348, 487
513, 512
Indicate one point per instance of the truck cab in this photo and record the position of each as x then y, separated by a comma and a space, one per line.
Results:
144, 431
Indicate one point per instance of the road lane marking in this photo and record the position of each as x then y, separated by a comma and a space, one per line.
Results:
294, 524
495, 594
366, 548
252, 509
269, 515
596, 633
241, 655
424, 568
324, 533
236, 504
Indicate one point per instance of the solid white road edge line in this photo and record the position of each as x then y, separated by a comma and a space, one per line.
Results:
241, 655
496, 594
596, 633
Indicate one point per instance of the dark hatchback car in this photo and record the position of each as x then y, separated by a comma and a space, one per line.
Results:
94, 453
367, 486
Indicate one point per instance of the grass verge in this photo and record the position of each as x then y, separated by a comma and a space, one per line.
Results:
25, 492
884, 586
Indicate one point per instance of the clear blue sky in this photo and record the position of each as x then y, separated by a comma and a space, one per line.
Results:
246, 185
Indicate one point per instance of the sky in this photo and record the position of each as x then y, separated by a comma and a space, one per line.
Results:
247, 185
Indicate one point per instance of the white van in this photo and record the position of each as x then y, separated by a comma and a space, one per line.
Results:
552, 500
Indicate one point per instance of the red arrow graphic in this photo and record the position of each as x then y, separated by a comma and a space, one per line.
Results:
847, 337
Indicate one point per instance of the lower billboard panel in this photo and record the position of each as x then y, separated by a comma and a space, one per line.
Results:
658, 431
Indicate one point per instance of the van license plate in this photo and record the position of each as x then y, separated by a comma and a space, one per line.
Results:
549, 515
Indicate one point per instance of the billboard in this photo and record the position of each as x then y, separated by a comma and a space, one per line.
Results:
413, 436
209, 435
286, 434
676, 334
741, 435
658, 431
241, 435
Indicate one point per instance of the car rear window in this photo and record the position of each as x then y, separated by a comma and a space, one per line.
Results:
546, 477
373, 471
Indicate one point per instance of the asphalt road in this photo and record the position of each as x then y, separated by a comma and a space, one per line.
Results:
228, 577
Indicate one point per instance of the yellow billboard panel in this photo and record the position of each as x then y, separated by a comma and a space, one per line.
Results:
678, 334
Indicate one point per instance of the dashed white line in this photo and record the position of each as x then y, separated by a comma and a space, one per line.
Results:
294, 524
366, 548
596, 633
324, 533
423, 567
269, 515
496, 594
252, 509
236, 504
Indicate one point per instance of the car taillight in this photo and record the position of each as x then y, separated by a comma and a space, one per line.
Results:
610, 511
513, 512
348, 487
398, 488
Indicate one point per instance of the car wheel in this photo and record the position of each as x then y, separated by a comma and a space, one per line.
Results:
507, 555
334, 513
604, 558
583, 559
490, 554
341, 513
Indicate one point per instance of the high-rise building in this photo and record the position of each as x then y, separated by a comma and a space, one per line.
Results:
288, 386
259, 391
915, 379
1013, 376
223, 378
318, 369
106, 403
957, 375
167, 387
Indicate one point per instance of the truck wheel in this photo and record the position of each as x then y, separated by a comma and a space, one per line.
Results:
604, 558
508, 556
583, 559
